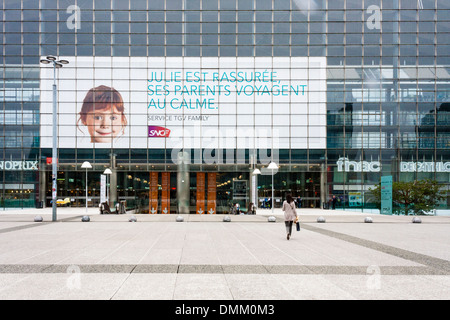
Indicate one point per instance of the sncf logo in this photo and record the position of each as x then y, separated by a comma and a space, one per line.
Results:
158, 132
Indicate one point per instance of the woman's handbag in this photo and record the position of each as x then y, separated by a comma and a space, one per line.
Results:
298, 225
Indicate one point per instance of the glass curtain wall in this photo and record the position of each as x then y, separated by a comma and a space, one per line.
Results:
388, 84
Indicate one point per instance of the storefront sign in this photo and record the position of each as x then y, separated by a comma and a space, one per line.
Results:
18, 165
343, 164
424, 166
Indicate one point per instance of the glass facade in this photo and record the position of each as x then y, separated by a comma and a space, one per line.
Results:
387, 96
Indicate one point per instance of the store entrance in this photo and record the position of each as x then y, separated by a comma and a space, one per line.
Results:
233, 191
208, 192
305, 185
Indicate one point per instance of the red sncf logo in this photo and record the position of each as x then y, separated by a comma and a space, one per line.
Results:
158, 132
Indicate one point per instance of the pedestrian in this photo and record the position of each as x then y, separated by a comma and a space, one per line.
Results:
290, 214
333, 202
251, 208
299, 202
233, 208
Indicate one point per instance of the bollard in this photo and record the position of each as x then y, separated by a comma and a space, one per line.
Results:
226, 219
38, 219
272, 219
416, 220
368, 220
321, 219
85, 219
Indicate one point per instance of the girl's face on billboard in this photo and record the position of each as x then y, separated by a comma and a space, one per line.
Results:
104, 125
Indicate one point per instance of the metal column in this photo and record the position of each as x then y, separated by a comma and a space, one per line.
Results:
183, 182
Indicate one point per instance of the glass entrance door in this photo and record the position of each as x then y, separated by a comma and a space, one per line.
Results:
303, 184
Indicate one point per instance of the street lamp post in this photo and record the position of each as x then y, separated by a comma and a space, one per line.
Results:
272, 166
107, 172
56, 65
86, 165
254, 185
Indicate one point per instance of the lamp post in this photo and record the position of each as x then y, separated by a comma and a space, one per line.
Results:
57, 64
272, 166
86, 165
107, 172
254, 185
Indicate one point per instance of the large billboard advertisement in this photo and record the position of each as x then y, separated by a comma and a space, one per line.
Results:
165, 102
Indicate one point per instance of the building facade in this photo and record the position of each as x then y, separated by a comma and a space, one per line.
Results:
196, 94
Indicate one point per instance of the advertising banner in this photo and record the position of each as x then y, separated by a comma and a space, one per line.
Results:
187, 102
212, 188
386, 195
355, 199
153, 199
165, 192
102, 188
200, 193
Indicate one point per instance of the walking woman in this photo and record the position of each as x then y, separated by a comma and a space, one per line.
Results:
290, 214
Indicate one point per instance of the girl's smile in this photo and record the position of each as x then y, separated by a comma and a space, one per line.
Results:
103, 125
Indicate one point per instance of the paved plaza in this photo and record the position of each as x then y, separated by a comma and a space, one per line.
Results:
205, 258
